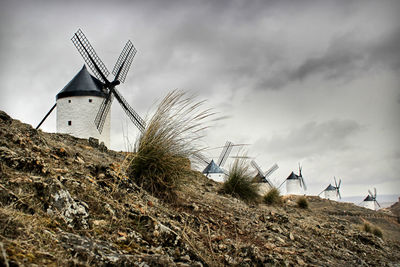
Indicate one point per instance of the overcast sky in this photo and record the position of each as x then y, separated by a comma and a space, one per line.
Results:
315, 82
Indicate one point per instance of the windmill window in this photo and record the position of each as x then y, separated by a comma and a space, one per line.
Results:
90, 100
69, 100
69, 123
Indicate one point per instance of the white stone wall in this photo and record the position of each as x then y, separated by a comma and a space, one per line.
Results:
82, 113
368, 204
293, 187
331, 194
263, 188
218, 177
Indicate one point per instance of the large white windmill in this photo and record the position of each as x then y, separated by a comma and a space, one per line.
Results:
262, 178
295, 184
370, 201
83, 105
332, 192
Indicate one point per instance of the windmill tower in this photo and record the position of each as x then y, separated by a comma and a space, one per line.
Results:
332, 192
370, 201
214, 170
83, 105
295, 183
262, 178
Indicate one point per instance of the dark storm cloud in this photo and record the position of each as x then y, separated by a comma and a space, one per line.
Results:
312, 139
347, 57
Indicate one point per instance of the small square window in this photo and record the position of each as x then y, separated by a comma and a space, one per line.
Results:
69, 100
69, 123
90, 100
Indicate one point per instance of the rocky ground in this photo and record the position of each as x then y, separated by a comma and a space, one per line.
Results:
66, 201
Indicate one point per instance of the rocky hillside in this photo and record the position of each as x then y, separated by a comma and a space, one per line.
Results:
67, 202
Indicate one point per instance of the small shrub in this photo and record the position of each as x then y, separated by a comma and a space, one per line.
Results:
377, 231
273, 197
160, 163
302, 202
367, 227
239, 182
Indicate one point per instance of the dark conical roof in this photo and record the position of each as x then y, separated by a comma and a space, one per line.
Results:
213, 168
330, 188
369, 198
83, 84
292, 176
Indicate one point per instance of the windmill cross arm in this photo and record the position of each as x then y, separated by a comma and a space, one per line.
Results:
103, 112
225, 153
135, 118
90, 56
124, 62
258, 169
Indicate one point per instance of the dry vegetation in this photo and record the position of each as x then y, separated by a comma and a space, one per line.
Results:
160, 164
273, 197
66, 202
239, 182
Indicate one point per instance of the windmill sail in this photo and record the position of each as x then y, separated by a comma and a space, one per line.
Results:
124, 62
271, 170
255, 165
90, 56
225, 153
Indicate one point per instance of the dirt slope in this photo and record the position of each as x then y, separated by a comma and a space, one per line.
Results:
65, 201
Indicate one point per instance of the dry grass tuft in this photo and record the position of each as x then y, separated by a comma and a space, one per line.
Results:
302, 202
239, 182
369, 228
172, 136
273, 197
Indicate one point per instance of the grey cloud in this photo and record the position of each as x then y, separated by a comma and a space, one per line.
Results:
312, 139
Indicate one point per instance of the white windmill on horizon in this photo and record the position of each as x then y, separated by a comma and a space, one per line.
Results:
265, 184
295, 184
370, 201
83, 105
214, 170
332, 192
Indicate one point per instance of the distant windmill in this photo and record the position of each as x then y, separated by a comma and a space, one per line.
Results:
294, 183
214, 170
262, 178
86, 99
370, 201
332, 192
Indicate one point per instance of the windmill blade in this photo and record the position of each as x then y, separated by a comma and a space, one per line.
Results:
374, 192
89, 55
202, 158
271, 170
340, 182
321, 192
338, 192
370, 193
336, 185
135, 118
282, 183
124, 62
302, 181
377, 203
103, 112
225, 153
45, 117
255, 165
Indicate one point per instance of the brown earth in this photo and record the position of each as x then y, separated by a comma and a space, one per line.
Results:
66, 201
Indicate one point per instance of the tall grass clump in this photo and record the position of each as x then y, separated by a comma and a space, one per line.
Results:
239, 182
161, 153
369, 228
273, 197
302, 202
